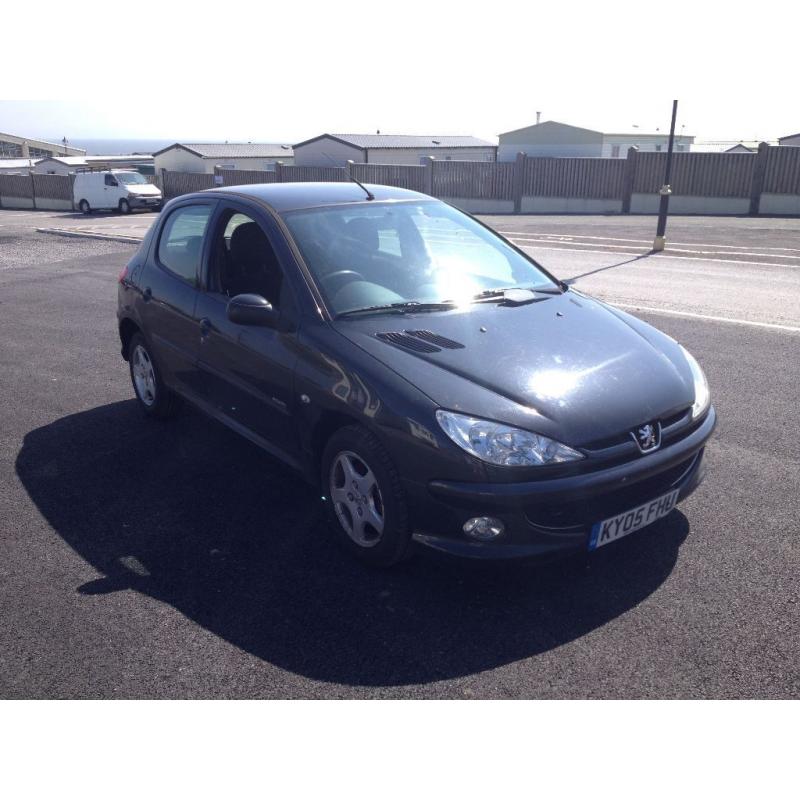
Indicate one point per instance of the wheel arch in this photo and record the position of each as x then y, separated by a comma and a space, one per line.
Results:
328, 423
127, 330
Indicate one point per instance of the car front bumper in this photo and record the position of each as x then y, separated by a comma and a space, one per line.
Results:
555, 516
147, 201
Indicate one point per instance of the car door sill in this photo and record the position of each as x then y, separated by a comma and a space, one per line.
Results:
237, 427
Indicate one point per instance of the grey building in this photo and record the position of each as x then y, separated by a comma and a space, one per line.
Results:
790, 141
203, 157
559, 140
336, 149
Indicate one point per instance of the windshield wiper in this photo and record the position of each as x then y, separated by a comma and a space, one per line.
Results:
402, 308
507, 293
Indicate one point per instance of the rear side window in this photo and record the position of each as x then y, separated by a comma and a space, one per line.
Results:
181, 242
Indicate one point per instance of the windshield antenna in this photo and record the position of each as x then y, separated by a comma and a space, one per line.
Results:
369, 194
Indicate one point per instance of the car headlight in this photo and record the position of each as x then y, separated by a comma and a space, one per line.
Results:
702, 394
502, 444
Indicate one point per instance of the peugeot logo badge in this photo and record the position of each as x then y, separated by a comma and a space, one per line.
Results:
648, 437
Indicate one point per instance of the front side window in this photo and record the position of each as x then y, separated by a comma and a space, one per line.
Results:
244, 261
110, 180
181, 242
427, 252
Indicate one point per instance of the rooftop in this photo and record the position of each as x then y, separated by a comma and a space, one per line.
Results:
293, 196
81, 161
233, 149
400, 141
18, 163
41, 143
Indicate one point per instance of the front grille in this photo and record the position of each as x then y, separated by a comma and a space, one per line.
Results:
580, 513
624, 437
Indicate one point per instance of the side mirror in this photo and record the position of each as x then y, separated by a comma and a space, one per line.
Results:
251, 309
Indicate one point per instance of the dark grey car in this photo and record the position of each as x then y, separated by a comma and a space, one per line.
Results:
434, 381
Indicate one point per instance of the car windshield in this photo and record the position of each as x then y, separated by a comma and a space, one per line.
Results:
378, 254
130, 177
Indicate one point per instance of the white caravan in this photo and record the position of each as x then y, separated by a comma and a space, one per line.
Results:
118, 189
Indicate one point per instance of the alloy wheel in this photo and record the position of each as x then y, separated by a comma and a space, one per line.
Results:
144, 376
357, 499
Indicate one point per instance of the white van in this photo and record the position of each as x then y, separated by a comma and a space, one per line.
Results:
118, 189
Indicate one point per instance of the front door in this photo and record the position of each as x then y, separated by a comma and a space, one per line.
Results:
111, 191
247, 371
170, 289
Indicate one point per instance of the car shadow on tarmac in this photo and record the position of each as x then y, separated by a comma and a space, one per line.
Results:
197, 517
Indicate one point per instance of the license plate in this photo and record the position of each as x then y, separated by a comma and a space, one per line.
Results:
613, 528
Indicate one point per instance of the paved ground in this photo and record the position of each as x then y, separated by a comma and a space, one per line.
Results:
175, 560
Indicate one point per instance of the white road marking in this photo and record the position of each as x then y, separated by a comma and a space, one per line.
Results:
671, 249
662, 256
709, 317
642, 241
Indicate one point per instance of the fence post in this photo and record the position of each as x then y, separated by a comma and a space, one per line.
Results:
279, 172
520, 167
33, 190
629, 178
427, 178
72, 190
757, 183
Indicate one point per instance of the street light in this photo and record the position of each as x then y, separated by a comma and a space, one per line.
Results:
666, 190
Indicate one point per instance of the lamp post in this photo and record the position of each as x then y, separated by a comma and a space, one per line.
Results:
666, 189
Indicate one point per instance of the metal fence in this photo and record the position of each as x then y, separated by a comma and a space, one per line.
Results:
16, 186
595, 178
240, 177
405, 176
697, 174
291, 173
473, 179
599, 184
36, 191
782, 170
174, 184
53, 187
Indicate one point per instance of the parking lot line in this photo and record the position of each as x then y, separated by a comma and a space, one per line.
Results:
520, 240
662, 256
709, 317
571, 237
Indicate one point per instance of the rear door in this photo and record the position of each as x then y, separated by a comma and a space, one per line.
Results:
247, 371
169, 288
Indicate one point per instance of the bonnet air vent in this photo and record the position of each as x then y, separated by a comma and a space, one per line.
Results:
435, 338
407, 342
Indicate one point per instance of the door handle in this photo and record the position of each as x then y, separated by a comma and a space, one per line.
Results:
147, 294
205, 327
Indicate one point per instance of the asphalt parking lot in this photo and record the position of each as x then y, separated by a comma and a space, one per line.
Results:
140, 559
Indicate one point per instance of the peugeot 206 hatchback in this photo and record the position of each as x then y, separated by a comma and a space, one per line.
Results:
434, 380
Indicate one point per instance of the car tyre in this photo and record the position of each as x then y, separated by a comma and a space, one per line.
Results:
84, 207
155, 398
124, 206
364, 498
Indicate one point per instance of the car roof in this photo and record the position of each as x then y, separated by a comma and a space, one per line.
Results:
294, 196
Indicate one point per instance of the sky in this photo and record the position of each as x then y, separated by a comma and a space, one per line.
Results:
285, 72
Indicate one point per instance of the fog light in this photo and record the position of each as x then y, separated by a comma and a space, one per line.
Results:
483, 528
